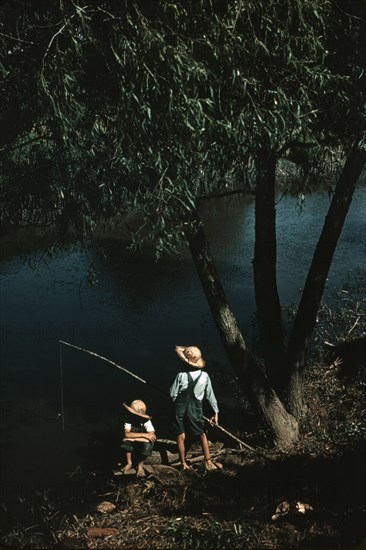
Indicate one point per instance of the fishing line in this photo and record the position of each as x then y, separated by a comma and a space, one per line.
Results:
62, 390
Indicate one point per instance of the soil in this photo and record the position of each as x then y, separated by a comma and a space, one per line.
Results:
311, 497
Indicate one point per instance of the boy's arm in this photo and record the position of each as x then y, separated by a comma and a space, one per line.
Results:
149, 436
174, 388
210, 396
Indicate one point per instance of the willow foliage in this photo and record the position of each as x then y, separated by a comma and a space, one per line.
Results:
113, 106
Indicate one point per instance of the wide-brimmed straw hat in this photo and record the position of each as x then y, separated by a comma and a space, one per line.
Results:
191, 356
138, 408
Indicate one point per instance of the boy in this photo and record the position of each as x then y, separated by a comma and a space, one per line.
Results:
139, 436
187, 391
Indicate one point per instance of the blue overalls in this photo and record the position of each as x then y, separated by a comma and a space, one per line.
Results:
188, 410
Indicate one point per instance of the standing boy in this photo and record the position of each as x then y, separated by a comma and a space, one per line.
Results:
187, 391
139, 436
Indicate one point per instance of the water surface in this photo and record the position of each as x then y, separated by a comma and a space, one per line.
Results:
135, 314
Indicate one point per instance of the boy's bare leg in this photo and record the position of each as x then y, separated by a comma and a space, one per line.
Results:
140, 468
206, 453
129, 463
182, 451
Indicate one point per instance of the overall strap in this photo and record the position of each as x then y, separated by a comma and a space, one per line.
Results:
198, 377
193, 383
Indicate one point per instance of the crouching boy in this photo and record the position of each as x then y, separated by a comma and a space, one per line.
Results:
139, 436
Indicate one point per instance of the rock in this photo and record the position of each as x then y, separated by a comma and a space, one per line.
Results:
119, 472
154, 458
106, 507
291, 508
303, 507
165, 475
281, 510
172, 457
102, 532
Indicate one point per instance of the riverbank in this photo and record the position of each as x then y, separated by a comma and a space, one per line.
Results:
311, 497
232, 509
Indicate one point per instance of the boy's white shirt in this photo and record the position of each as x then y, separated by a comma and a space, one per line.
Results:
147, 425
202, 389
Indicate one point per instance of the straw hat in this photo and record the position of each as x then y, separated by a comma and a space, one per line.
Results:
138, 408
191, 356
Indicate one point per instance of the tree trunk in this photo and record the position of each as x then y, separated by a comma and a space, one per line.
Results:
265, 281
263, 398
313, 291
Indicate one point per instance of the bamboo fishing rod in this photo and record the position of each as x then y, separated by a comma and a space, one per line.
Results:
63, 342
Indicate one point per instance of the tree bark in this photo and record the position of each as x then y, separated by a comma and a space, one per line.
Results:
313, 291
263, 398
265, 280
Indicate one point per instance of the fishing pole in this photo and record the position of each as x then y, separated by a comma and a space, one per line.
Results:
63, 342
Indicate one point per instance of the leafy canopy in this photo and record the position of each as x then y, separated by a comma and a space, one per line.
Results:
113, 106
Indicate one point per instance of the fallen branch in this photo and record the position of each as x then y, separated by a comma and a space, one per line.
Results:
198, 459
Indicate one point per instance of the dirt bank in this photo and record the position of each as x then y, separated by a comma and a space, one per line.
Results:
310, 497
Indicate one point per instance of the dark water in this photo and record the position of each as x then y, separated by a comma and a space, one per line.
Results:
135, 314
